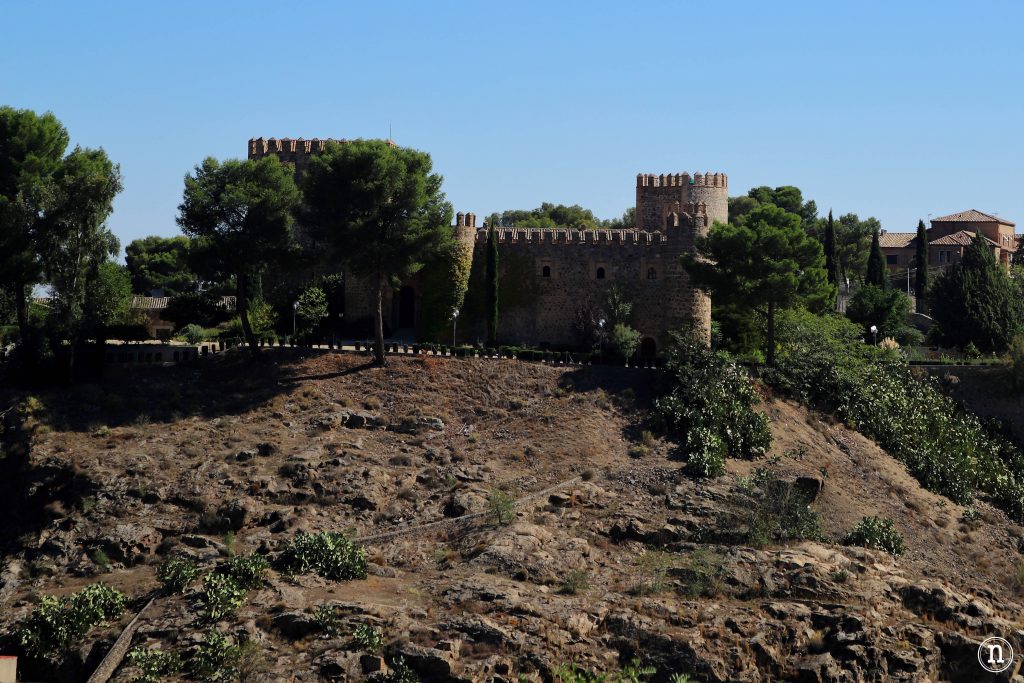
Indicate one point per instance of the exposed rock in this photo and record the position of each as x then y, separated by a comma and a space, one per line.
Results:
295, 625
130, 543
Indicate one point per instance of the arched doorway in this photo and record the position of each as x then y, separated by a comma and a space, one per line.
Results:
406, 307
648, 349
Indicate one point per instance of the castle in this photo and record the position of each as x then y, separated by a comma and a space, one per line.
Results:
548, 277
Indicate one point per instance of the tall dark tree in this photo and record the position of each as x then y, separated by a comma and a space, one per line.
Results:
382, 209
31, 150
766, 264
74, 242
831, 263
876, 274
239, 216
492, 286
975, 301
160, 263
921, 263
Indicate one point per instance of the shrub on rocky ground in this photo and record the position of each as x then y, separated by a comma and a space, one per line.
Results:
368, 638
634, 672
57, 624
877, 534
764, 509
331, 555
222, 595
824, 363
248, 571
216, 658
176, 574
502, 506
153, 665
708, 401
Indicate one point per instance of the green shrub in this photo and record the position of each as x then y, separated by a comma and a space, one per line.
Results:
176, 574
762, 509
192, 333
653, 567
326, 617
502, 506
706, 453
634, 672
708, 401
216, 658
57, 624
248, 571
877, 534
222, 595
702, 574
368, 638
153, 664
400, 672
576, 581
331, 555
824, 363
625, 340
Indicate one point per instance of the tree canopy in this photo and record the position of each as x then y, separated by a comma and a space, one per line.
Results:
766, 263
160, 263
239, 214
382, 210
31, 150
549, 215
976, 302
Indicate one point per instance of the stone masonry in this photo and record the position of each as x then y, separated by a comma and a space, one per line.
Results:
548, 275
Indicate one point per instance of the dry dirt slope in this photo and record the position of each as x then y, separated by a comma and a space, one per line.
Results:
167, 462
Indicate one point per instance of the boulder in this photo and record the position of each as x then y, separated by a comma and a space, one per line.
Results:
295, 625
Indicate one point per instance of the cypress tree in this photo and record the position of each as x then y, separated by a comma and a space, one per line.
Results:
921, 277
876, 274
975, 301
492, 286
831, 263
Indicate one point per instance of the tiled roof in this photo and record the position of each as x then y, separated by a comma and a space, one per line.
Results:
896, 240
961, 238
159, 303
971, 216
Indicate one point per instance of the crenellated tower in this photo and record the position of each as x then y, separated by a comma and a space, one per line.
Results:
664, 200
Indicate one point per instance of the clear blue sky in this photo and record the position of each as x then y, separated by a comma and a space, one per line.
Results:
891, 109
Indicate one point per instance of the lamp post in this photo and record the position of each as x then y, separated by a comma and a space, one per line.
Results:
455, 319
295, 310
874, 334
600, 336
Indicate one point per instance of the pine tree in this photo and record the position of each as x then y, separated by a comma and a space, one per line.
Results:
492, 286
921, 281
876, 274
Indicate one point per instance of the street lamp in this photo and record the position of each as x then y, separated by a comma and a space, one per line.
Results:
295, 310
874, 334
455, 319
600, 335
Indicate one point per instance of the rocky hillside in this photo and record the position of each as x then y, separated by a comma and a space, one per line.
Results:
606, 552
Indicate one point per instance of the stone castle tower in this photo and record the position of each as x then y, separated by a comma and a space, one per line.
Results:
550, 275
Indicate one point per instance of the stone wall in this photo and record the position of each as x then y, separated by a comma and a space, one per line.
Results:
548, 276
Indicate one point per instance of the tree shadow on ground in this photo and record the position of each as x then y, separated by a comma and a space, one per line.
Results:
230, 383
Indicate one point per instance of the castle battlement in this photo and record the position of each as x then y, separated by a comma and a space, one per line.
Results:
260, 147
622, 236
682, 179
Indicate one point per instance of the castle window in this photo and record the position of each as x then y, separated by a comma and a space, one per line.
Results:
600, 273
545, 271
652, 274
891, 259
